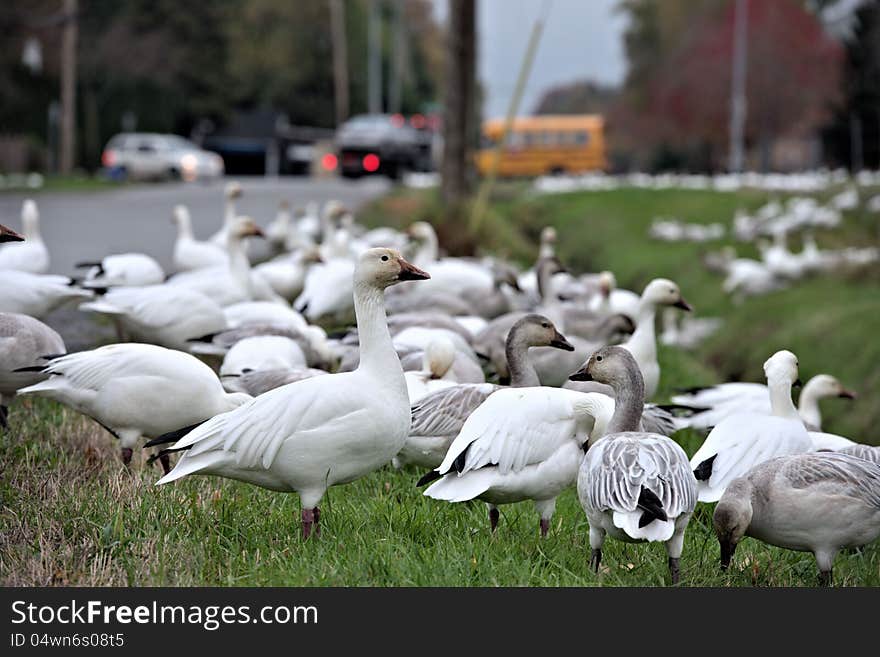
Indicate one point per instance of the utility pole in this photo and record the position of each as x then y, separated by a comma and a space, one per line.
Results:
398, 60
340, 60
738, 86
68, 87
374, 61
458, 103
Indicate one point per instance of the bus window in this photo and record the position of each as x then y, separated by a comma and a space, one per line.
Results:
581, 138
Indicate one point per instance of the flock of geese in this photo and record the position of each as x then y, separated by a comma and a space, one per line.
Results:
225, 366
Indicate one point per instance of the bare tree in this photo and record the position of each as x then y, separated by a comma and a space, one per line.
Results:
459, 118
340, 60
68, 87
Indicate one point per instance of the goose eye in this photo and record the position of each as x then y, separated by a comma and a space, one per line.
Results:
545, 325
598, 359
384, 258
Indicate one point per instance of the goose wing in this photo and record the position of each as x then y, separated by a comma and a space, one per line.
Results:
617, 468
513, 428
444, 412
836, 474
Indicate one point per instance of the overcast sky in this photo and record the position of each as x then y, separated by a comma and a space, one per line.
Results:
581, 39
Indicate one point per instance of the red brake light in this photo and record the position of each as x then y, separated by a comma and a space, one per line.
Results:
417, 121
371, 162
108, 158
329, 162
397, 120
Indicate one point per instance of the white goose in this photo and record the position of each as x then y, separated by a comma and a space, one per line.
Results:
819, 503
633, 485
234, 282
262, 352
36, 294
123, 269
642, 344
323, 431
136, 390
437, 418
436, 372
190, 253
24, 342
31, 256
743, 440
231, 192
714, 403
287, 273
160, 314
520, 444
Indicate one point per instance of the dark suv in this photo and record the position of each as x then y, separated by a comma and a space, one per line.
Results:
382, 144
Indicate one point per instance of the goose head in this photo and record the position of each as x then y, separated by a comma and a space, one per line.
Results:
732, 517
825, 385
503, 274
607, 283
232, 190
782, 369
421, 231
548, 242
538, 331
180, 216
9, 235
245, 227
663, 292
612, 365
383, 267
439, 356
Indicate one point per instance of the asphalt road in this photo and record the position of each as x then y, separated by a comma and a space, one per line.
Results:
85, 226
78, 226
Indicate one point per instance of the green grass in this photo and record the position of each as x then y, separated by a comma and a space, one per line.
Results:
71, 514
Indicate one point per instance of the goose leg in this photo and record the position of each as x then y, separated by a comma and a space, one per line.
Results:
126, 456
165, 460
825, 561
673, 569
308, 519
545, 508
317, 513
4, 417
597, 539
675, 545
493, 517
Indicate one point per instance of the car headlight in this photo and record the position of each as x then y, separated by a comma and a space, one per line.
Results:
189, 162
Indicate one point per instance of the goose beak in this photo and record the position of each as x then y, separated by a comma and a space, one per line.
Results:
848, 394
409, 272
684, 305
559, 342
727, 550
582, 374
9, 235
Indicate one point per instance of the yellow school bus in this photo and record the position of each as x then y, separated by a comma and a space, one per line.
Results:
549, 144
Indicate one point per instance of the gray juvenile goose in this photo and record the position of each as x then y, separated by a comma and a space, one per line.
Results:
817, 502
634, 485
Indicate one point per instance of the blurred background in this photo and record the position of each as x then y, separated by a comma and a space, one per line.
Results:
679, 85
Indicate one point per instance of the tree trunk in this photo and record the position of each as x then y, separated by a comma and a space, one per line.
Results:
340, 60
68, 87
458, 104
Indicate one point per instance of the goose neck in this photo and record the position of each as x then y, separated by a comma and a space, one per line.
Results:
428, 252
239, 265
780, 400
184, 228
522, 371
229, 213
629, 400
31, 228
377, 353
643, 342
808, 406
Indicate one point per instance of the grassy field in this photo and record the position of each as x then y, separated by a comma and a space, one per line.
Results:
71, 514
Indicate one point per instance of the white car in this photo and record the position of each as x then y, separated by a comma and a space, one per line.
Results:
151, 156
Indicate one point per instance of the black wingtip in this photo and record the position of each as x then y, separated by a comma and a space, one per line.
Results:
32, 368
51, 356
172, 436
703, 471
428, 477
171, 450
208, 337
83, 265
651, 506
